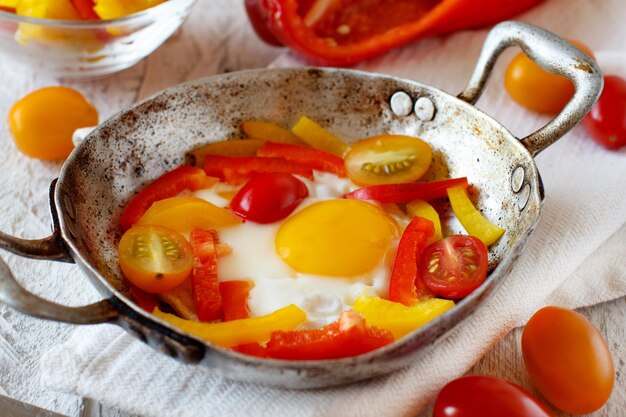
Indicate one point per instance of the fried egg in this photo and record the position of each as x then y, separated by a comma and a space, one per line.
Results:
321, 257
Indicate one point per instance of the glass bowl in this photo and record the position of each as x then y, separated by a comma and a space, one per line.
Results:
89, 48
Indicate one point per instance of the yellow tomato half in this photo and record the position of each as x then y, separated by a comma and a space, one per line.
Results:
388, 159
42, 123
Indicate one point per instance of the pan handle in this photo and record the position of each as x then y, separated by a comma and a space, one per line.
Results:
551, 53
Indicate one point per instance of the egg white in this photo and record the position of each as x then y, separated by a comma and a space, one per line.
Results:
276, 284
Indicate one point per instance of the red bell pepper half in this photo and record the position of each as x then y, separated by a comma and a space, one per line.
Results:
168, 185
343, 32
236, 169
235, 299
403, 193
405, 284
204, 282
348, 336
308, 157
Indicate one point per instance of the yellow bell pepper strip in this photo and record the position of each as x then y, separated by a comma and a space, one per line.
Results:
398, 318
245, 147
111, 9
184, 214
318, 137
270, 131
472, 220
239, 332
422, 209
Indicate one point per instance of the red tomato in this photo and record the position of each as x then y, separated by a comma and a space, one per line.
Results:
486, 396
606, 122
568, 360
269, 197
455, 266
258, 18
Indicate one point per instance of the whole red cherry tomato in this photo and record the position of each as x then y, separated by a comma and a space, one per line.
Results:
568, 360
269, 197
606, 122
455, 266
486, 396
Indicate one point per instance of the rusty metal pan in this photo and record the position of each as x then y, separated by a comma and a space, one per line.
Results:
138, 145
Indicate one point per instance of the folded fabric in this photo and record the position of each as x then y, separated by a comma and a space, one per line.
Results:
574, 258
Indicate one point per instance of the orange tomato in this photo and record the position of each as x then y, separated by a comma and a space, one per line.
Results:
388, 159
568, 360
536, 89
42, 123
154, 258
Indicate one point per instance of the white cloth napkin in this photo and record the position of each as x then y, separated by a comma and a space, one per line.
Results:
576, 257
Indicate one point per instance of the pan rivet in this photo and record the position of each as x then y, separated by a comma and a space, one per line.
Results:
424, 109
524, 195
401, 104
517, 179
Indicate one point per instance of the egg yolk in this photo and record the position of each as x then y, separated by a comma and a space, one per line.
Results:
337, 238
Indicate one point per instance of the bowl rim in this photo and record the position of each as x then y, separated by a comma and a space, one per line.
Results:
164, 8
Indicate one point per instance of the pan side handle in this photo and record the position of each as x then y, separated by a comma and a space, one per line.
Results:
551, 53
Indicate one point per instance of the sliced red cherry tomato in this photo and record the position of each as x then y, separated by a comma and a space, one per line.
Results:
168, 185
269, 197
308, 157
568, 360
204, 282
388, 159
235, 299
455, 266
486, 396
155, 258
402, 193
348, 336
85, 9
606, 122
237, 169
406, 285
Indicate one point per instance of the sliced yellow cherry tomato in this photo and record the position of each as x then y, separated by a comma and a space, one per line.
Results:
398, 318
154, 258
318, 137
242, 331
43, 122
270, 131
246, 147
422, 209
472, 220
184, 214
388, 159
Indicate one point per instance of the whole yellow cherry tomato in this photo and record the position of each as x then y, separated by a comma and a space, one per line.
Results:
42, 123
536, 89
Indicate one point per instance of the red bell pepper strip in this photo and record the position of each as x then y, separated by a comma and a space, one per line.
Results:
235, 299
309, 157
403, 193
405, 284
168, 185
143, 299
85, 9
346, 34
236, 169
252, 349
348, 336
204, 282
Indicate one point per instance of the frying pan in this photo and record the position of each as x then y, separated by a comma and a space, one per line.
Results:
136, 146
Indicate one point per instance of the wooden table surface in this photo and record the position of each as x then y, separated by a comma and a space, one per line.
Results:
228, 44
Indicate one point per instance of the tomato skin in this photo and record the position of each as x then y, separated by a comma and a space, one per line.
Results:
606, 122
486, 396
568, 360
269, 197
42, 123
388, 159
536, 89
154, 258
463, 258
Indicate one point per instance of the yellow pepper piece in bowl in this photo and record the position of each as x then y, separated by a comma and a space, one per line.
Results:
111, 9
